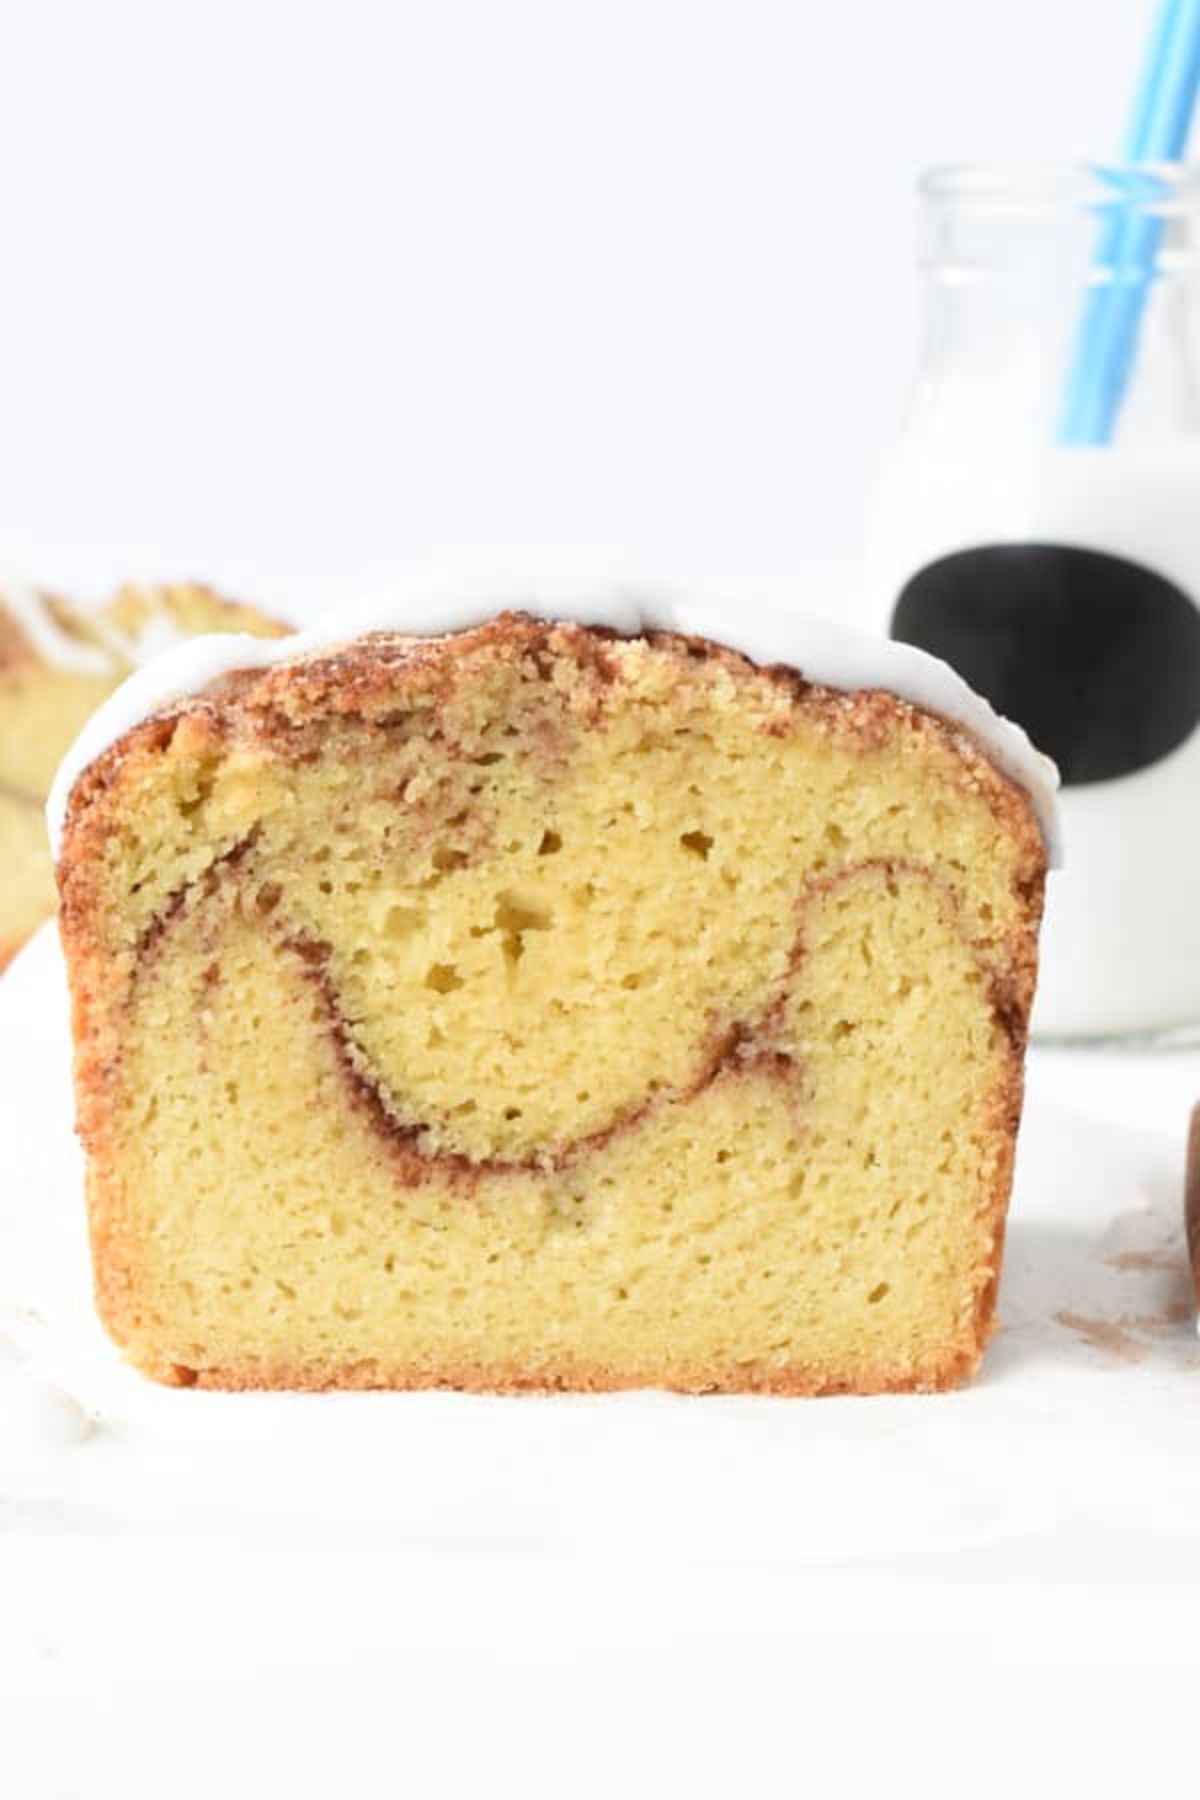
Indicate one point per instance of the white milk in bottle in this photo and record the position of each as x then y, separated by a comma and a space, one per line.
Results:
1064, 581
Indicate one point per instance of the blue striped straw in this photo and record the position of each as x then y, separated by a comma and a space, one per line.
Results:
1130, 236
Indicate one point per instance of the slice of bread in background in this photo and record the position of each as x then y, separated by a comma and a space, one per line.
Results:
55, 670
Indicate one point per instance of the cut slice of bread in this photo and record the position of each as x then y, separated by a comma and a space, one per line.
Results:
539, 1008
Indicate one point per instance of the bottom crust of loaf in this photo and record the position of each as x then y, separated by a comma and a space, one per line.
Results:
796, 1382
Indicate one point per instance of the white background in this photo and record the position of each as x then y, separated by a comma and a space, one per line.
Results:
298, 294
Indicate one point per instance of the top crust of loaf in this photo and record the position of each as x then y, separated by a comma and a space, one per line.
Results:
273, 705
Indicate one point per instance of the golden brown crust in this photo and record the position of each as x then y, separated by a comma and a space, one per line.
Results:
276, 706
797, 1382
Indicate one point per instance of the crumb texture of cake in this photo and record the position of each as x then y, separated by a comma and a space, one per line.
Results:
58, 663
538, 1008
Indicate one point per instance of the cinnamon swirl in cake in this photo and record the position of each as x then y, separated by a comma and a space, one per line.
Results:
58, 662
553, 1004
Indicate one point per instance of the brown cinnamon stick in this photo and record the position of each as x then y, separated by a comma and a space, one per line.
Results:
1191, 1197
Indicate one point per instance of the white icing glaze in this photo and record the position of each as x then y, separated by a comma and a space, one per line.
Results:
115, 649
158, 632
29, 608
824, 652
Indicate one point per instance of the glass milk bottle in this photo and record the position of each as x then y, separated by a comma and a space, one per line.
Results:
1062, 578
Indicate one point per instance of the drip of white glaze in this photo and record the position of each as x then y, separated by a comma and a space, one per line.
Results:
30, 608
822, 652
158, 633
114, 649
